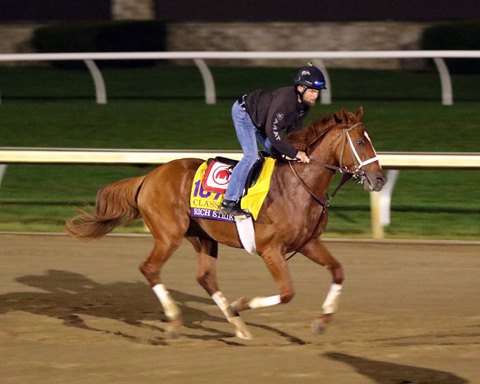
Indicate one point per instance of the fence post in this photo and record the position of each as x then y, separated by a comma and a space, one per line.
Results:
325, 94
100, 92
447, 94
375, 212
208, 81
3, 169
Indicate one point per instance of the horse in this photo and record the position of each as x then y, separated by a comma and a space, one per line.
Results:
291, 219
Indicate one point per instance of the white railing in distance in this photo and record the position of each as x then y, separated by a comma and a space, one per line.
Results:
199, 58
380, 201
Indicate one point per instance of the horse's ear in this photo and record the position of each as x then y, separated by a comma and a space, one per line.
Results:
337, 116
360, 113
344, 114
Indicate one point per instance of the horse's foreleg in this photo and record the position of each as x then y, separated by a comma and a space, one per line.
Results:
207, 251
257, 302
316, 251
277, 266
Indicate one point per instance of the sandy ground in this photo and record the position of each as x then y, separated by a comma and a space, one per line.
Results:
80, 312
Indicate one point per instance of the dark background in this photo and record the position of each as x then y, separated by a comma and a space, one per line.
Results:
316, 10
247, 10
54, 10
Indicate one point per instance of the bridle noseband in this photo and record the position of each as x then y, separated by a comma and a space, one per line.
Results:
358, 172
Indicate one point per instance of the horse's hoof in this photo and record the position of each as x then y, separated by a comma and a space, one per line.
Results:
172, 330
319, 327
171, 333
243, 334
327, 318
241, 330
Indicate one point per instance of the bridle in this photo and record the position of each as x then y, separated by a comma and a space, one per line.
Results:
357, 173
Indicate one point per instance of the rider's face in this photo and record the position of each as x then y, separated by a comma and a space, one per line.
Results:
310, 96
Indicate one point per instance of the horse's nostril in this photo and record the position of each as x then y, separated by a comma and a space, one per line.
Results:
380, 182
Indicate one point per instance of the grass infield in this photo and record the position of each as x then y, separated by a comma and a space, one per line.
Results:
163, 108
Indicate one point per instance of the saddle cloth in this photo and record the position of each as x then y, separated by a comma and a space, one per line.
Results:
208, 189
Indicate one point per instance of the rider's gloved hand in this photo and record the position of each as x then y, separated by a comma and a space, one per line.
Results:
302, 157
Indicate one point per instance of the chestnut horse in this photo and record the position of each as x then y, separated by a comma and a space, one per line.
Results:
293, 215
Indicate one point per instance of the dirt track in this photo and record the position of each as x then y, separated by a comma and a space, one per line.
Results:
76, 312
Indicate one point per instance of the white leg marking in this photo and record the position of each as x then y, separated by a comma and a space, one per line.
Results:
171, 309
261, 302
224, 305
330, 304
232, 316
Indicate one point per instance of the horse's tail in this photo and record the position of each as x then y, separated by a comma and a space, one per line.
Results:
116, 204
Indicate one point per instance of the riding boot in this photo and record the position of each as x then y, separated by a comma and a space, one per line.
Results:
232, 207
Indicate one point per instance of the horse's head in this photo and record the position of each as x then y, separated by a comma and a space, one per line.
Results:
341, 139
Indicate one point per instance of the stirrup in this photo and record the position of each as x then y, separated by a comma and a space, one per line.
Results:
232, 207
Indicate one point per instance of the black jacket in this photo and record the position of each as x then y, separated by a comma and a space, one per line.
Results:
277, 113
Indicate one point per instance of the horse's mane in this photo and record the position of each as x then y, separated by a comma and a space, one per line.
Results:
307, 136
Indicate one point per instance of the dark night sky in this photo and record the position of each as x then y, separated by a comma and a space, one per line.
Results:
54, 10
249, 10
316, 10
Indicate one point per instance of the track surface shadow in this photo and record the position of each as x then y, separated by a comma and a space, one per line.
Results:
69, 296
388, 373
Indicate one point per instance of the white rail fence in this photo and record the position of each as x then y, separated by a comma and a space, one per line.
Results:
199, 58
379, 201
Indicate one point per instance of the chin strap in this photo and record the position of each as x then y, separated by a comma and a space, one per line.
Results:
300, 93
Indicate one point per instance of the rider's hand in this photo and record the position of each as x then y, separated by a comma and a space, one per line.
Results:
302, 157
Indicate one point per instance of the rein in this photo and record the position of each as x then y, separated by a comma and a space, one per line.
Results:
320, 200
323, 201
348, 174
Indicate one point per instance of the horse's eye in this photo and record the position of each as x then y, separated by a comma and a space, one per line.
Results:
361, 142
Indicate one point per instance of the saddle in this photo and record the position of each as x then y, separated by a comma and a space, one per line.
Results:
208, 190
220, 168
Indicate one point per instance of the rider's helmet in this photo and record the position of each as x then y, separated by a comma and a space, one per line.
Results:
310, 77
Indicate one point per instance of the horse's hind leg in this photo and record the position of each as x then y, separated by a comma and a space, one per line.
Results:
151, 269
207, 252
163, 204
316, 251
168, 231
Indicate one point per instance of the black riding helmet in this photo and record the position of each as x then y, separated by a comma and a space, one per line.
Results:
310, 77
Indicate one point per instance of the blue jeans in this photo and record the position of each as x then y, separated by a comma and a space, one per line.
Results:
247, 135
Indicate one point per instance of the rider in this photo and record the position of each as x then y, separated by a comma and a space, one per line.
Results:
266, 117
